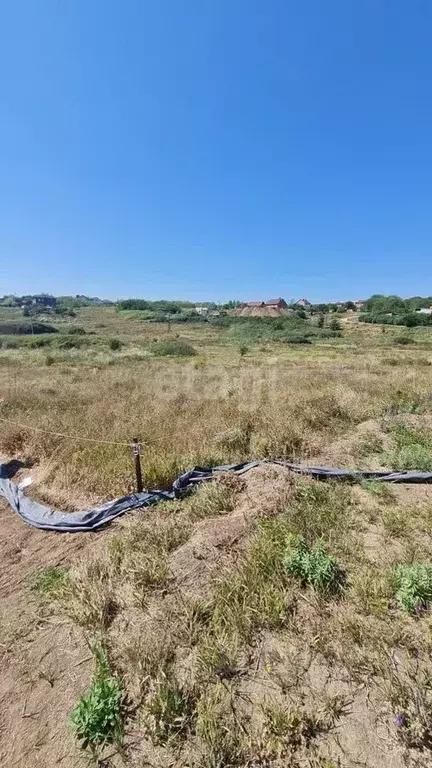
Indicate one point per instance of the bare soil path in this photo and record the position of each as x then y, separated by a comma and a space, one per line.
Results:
44, 668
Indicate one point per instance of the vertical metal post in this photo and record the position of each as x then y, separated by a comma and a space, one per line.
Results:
137, 462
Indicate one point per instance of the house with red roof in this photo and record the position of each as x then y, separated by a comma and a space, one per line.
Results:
277, 303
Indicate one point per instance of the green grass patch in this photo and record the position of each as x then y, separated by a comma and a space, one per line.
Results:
210, 499
413, 449
382, 491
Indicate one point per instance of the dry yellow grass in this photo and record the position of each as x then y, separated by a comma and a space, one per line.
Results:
277, 401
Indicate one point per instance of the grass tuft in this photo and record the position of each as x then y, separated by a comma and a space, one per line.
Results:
49, 582
170, 708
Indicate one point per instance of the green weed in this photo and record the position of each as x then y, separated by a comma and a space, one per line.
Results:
256, 593
96, 719
314, 567
219, 655
413, 585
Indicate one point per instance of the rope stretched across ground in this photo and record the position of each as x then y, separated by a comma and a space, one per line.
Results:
50, 519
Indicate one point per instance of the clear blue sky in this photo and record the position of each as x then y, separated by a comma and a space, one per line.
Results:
216, 149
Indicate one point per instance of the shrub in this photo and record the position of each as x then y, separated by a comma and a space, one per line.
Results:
172, 348
334, 324
243, 349
414, 586
298, 338
403, 341
114, 344
68, 341
314, 567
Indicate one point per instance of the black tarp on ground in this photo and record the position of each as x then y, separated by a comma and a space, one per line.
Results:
50, 519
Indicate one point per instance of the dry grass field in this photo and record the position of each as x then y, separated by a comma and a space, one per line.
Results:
266, 620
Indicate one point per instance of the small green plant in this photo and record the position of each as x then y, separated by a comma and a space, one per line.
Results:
314, 567
413, 585
96, 719
403, 341
334, 324
115, 344
243, 350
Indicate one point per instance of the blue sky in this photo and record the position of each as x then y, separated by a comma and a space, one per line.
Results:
216, 149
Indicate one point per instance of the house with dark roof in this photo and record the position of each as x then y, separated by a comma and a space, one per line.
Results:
303, 303
255, 304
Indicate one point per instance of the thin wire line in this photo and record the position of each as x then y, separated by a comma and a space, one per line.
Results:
60, 434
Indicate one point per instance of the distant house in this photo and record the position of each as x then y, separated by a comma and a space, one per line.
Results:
201, 310
425, 310
359, 304
38, 300
277, 303
255, 304
303, 303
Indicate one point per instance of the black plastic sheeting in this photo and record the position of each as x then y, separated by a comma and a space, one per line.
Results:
51, 520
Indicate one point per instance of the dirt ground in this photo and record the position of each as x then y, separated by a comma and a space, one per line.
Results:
45, 663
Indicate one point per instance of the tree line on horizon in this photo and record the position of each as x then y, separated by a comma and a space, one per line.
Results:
379, 308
